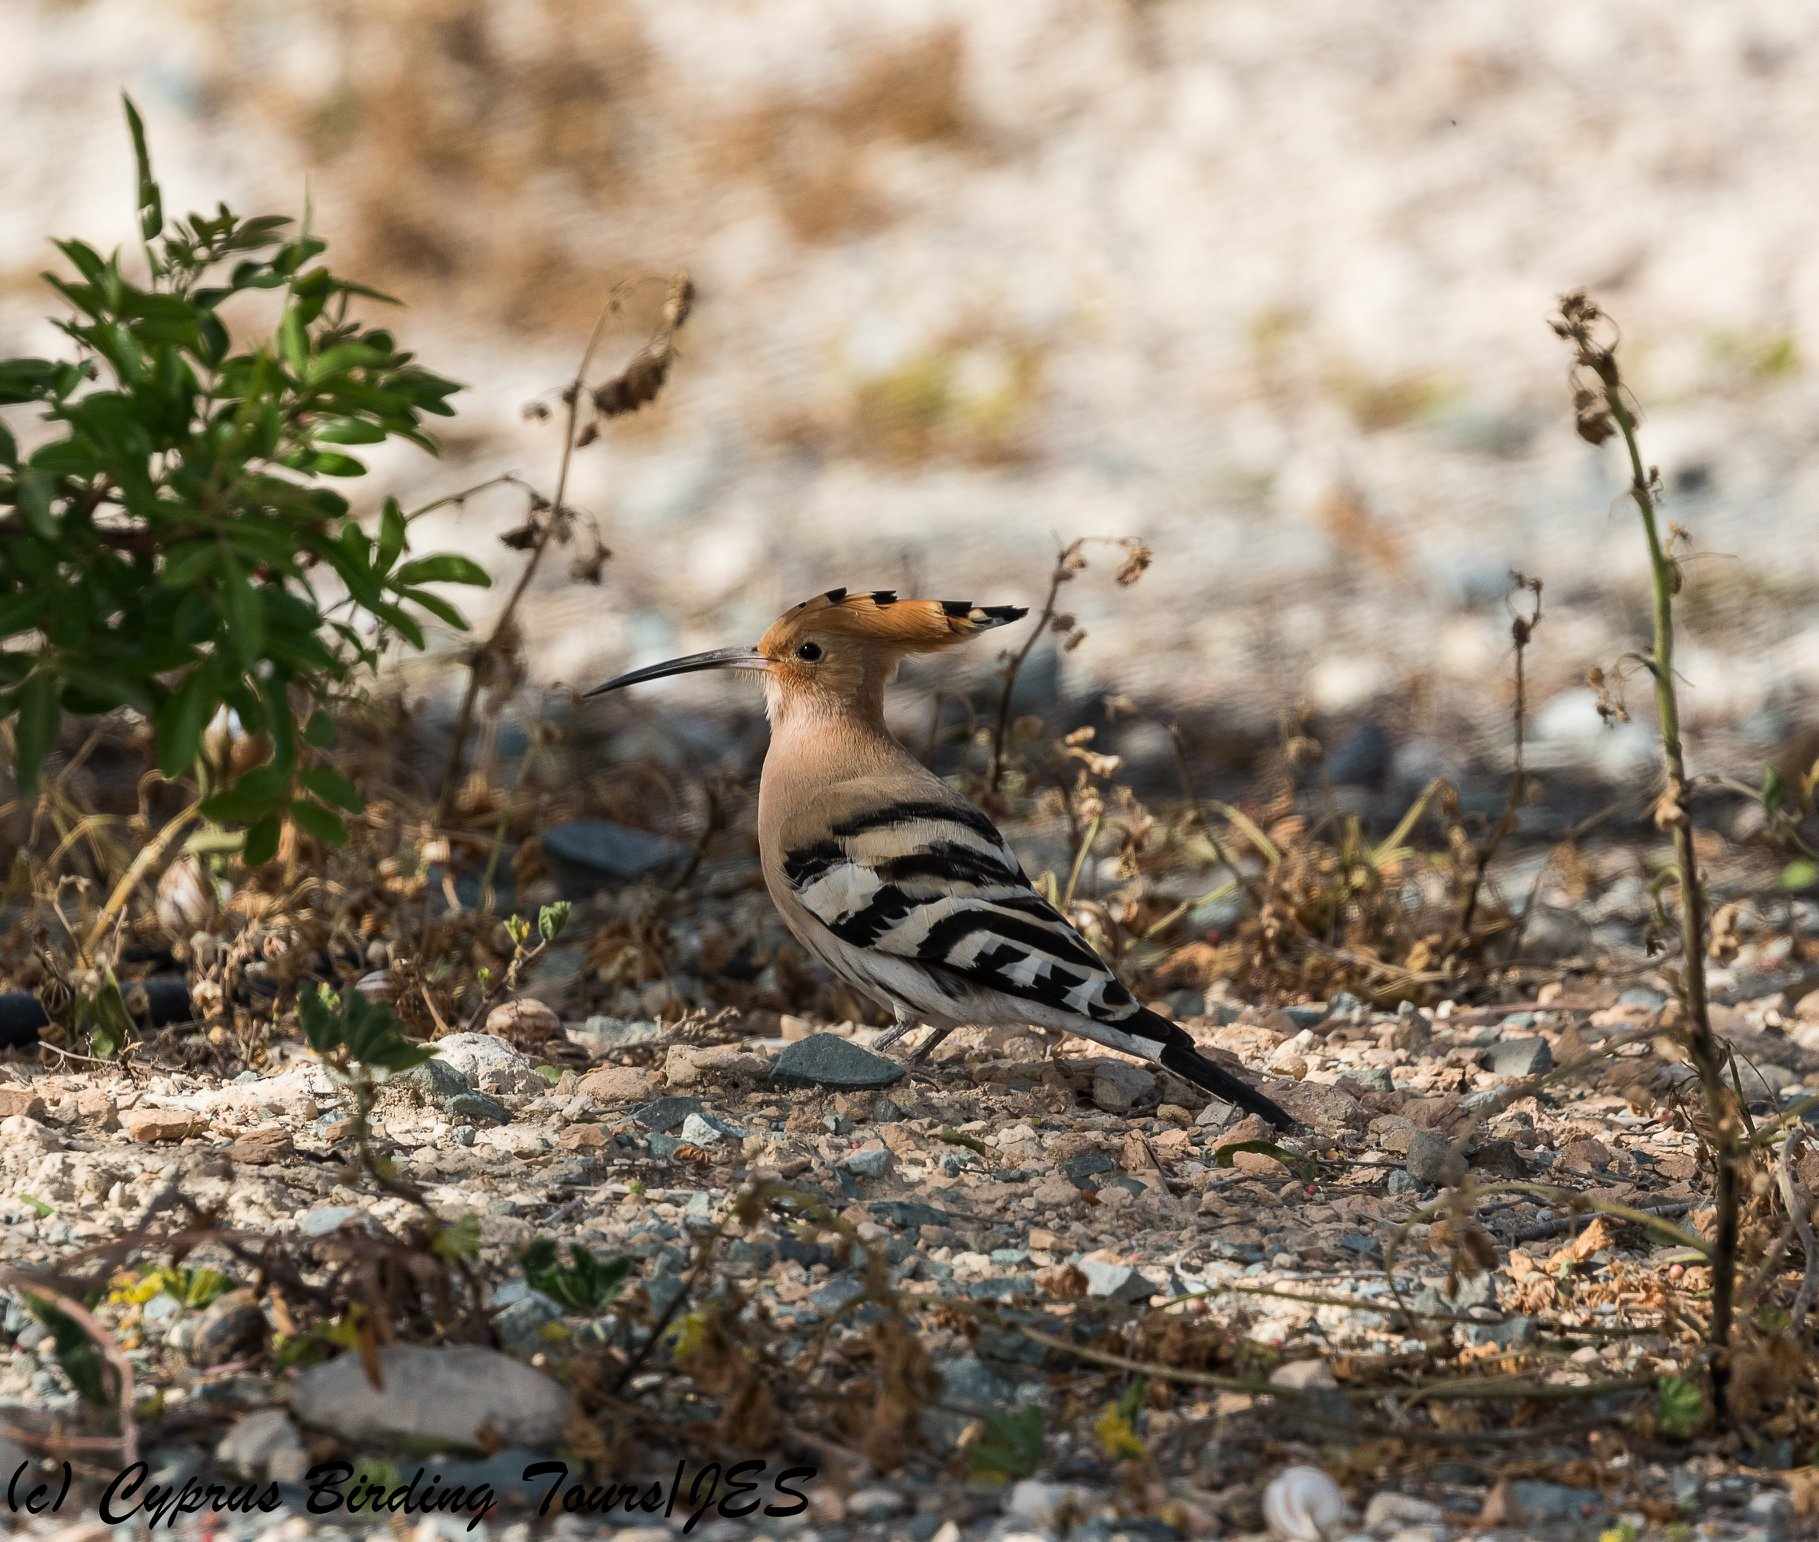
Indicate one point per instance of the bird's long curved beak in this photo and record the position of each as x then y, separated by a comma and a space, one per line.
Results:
714, 658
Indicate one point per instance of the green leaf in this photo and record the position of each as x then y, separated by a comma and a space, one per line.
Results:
33, 492
1010, 1446
331, 786
586, 1285
319, 731
551, 919
346, 431
443, 568
293, 345
261, 842
1801, 873
180, 719
436, 606
391, 536
1679, 1407
313, 819
243, 611
151, 201
36, 729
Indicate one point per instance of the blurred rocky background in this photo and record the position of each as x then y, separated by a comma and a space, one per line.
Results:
1264, 286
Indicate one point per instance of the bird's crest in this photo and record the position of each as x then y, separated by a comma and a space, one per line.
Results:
877, 615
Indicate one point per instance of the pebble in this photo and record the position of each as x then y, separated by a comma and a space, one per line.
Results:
457, 1395
264, 1444
1431, 1160
868, 1162
154, 1125
617, 1084
1392, 1509
324, 1219
490, 1064
826, 1060
1113, 1280
1118, 1088
1519, 1058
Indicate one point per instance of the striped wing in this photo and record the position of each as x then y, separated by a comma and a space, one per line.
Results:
931, 885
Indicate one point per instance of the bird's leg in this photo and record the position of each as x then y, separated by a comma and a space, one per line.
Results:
897, 1029
928, 1045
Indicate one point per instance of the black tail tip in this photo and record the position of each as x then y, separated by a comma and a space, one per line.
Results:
1188, 1063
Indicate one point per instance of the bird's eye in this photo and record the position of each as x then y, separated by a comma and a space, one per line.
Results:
809, 652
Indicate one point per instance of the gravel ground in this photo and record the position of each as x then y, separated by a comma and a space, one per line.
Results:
998, 1179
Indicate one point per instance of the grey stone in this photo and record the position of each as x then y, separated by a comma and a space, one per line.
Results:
875, 1504
1113, 1281
1517, 1058
1542, 1501
1049, 1506
455, 1395
160, 1312
1309, 1014
264, 1444
323, 1219
1388, 1509
601, 1035
1641, 998
436, 1081
700, 1131
490, 1064
823, 1060
1118, 1088
521, 1314
972, 1386
1087, 1165
1431, 1160
668, 1114
874, 1163
584, 852
478, 1106
1345, 1004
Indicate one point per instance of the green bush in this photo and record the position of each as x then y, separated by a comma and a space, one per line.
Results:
156, 551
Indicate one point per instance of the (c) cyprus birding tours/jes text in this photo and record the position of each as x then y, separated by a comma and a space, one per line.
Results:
889, 876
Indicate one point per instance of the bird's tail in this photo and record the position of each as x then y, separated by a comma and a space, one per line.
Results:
1179, 1055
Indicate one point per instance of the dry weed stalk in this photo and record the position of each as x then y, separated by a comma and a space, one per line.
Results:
1602, 406
635, 386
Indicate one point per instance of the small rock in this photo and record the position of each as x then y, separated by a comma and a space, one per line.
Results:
490, 1064
1640, 998
1053, 1507
1303, 1375
1303, 1504
824, 1060
584, 851
1431, 1160
17, 1131
1391, 1509
152, 1125
1113, 1280
232, 1327
703, 1130
261, 1147
435, 1081
323, 1219
1082, 1168
616, 1084
1537, 1500
1308, 1015
1118, 1088
21, 1103
526, 1022
520, 1316
1585, 1155
473, 1106
667, 1115
868, 1162
584, 1137
602, 1035
875, 1504
264, 1444
1519, 1058
453, 1395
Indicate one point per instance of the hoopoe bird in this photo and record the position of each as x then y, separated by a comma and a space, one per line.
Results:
892, 879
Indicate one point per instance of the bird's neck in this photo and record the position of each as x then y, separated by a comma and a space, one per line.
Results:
817, 739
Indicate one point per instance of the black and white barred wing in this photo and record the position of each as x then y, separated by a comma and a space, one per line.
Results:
925, 902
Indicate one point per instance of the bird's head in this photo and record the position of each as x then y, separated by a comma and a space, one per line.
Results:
839, 648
